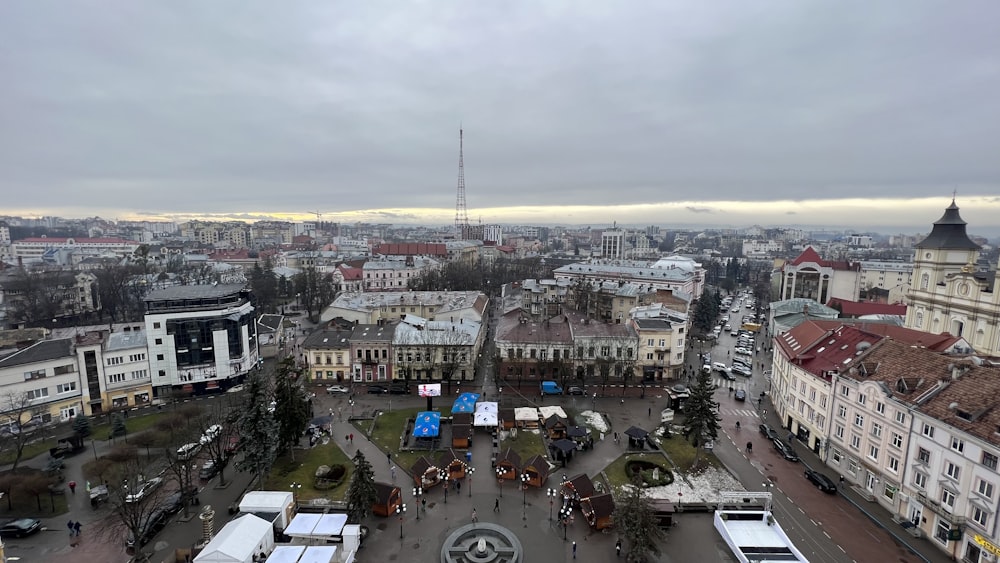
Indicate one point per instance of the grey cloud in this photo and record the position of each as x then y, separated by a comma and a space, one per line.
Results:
232, 107
693, 209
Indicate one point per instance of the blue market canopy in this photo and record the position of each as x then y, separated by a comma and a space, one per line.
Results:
469, 397
462, 406
427, 425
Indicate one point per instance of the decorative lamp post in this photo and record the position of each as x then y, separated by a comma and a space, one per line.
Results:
469, 471
500, 473
564, 514
295, 492
443, 477
417, 491
552, 494
401, 510
524, 496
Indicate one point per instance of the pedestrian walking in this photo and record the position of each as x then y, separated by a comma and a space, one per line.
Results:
72, 487
70, 526
352, 437
749, 447
618, 548
574, 550
393, 471
841, 482
496, 502
458, 486
475, 518
388, 457
649, 411
76, 528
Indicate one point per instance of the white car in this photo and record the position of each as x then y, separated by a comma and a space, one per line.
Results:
144, 489
744, 351
337, 389
188, 451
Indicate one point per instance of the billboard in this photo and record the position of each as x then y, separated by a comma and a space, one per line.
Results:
429, 390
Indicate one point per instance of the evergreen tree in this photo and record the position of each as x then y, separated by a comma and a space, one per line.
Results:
81, 425
291, 409
701, 421
636, 521
118, 425
361, 492
256, 427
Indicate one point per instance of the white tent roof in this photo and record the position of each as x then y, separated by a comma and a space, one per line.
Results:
319, 554
316, 525
485, 419
238, 541
526, 413
483, 406
286, 554
303, 554
546, 412
272, 500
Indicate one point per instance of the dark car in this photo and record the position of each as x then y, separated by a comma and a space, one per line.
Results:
784, 450
208, 470
377, 389
821, 481
767, 432
20, 528
741, 395
173, 503
576, 391
399, 389
151, 526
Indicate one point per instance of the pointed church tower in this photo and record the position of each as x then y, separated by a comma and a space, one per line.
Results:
947, 250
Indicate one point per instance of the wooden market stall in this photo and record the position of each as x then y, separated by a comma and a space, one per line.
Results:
387, 498
597, 509
425, 474
508, 465
537, 470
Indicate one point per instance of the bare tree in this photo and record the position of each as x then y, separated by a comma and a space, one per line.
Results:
130, 508
225, 416
17, 418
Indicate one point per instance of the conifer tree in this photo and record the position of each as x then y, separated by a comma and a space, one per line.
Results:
701, 421
361, 493
636, 521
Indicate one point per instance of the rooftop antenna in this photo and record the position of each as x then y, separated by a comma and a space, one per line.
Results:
461, 213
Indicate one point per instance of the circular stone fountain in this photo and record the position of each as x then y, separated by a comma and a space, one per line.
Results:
483, 542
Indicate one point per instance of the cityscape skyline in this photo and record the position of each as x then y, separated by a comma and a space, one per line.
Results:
651, 113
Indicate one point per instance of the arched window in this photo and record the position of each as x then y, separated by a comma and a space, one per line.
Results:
925, 281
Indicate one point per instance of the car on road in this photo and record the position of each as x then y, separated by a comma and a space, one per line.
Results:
211, 433
188, 451
144, 490
150, 526
20, 528
741, 369
576, 391
744, 351
399, 389
335, 389
767, 431
377, 389
208, 470
742, 361
821, 481
784, 450
741, 395
719, 366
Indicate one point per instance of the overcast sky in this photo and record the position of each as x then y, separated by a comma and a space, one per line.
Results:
630, 111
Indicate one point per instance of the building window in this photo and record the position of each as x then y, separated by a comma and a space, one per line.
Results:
873, 453
920, 480
972, 553
36, 374
38, 393
862, 399
840, 431
156, 325
923, 456
842, 411
876, 430
952, 470
957, 444
880, 407
928, 430
980, 516
900, 417
859, 421
66, 387
948, 499
855, 441
158, 341
845, 391
989, 460
985, 488
894, 464
941, 531
116, 377
159, 357
897, 440
837, 456
67, 413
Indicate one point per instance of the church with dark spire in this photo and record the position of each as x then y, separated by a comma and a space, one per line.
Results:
949, 293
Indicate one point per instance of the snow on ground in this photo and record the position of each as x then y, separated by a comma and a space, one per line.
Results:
703, 486
595, 421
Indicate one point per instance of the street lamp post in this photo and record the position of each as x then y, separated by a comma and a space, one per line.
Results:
551, 493
417, 491
295, 492
443, 476
524, 496
401, 510
564, 514
500, 473
470, 471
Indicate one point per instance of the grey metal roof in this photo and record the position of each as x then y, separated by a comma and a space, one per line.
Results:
40, 352
126, 340
194, 292
949, 232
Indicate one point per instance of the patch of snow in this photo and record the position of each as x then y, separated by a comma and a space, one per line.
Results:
697, 487
595, 421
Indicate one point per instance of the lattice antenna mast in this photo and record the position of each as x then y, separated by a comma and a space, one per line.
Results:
461, 213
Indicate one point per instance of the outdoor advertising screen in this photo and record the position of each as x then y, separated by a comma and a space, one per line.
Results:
429, 390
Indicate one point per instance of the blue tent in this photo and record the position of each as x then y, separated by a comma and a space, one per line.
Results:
469, 397
427, 424
462, 406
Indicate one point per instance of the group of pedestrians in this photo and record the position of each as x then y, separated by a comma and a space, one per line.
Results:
74, 528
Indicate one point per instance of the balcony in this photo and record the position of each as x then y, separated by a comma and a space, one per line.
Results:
940, 510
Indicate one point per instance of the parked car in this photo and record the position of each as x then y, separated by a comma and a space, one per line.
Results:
208, 470
577, 391
150, 526
377, 389
337, 389
741, 369
821, 481
188, 451
784, 450
742, 361
399, 389
719, 366
741, 395
767, 432
20, 528
173, 503
143, 490
744, 351
211, 433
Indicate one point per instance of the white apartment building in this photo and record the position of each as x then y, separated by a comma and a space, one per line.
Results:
33, 249
761, 248
42, 385
114, 369
200, 337
675, 273
812, 277
389, 306
394, 273
613, 244
894, 277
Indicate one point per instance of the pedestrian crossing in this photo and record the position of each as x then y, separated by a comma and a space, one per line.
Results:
740, 412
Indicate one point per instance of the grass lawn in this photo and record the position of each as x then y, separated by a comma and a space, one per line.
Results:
682, 453
616, 470
527, 444
22, 503
303, 470
389, 428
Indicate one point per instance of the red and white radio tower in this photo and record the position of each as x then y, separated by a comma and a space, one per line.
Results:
461, 213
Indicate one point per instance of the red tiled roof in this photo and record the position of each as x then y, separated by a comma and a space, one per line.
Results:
908, 336
350, 273
412, 249
859, 308
819, 350
809, 255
